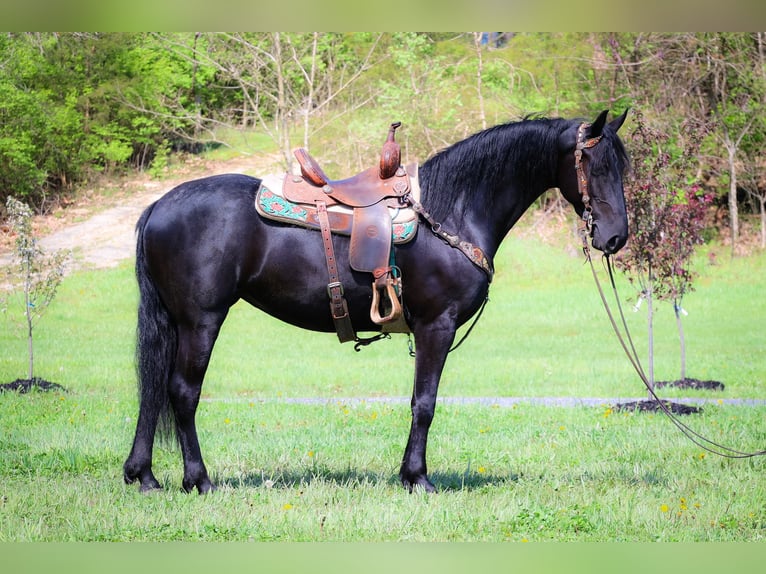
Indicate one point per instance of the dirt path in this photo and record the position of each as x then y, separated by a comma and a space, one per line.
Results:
100, 232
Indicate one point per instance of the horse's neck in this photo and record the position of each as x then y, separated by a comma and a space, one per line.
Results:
490, 226
486, 209
490, 216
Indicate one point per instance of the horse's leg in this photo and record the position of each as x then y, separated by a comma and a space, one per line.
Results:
156, 349
195, 345
138, 465
432, 344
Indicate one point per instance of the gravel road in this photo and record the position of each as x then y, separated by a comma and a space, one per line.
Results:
107, 237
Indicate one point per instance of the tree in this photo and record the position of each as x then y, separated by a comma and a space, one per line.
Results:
686, 222
753, 164
284, 80
667, 213
734, 85
717, 79
39, 275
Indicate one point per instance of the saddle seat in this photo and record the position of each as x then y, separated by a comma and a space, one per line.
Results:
370, 207
361, 190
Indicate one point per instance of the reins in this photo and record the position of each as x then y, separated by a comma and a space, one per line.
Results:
626, 341
630, 351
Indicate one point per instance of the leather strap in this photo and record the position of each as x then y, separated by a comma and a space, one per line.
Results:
582, 180
474, 253
338, 305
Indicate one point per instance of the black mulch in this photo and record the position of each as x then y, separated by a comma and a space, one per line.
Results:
26, 385
675, 408
689, 383
653, 406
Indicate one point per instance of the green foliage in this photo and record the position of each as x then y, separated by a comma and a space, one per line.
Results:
74, 104
78, 104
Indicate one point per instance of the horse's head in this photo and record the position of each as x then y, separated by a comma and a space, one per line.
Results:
591, 168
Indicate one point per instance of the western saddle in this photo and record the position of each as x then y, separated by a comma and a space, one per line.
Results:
363, 206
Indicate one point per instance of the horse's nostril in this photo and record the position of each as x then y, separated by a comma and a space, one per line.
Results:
614, 244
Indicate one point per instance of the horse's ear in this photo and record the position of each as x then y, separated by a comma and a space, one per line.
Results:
598, 126
616, 123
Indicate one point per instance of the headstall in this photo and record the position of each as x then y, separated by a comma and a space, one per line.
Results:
582, 180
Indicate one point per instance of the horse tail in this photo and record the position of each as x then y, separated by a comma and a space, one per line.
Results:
156, 344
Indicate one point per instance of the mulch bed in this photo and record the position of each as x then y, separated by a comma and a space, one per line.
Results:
675, 408
653, 406
689, 383
26, 385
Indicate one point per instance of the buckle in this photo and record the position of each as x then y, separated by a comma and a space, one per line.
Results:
333, 285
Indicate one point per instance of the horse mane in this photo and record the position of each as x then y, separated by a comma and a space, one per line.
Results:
513, 155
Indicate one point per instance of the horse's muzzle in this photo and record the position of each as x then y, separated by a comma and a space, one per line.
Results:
613, 242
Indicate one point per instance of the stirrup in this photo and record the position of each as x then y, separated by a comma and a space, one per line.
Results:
391, 286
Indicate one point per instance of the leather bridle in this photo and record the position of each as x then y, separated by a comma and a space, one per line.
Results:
582, 180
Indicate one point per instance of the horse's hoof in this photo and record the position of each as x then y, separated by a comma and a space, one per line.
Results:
150, 487
203, 486
418, 483
148, 483
206, 488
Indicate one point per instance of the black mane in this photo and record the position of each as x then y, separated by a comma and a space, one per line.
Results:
522, 154
515, 151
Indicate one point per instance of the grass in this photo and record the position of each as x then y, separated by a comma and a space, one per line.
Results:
326, 471
239, 141
307, 472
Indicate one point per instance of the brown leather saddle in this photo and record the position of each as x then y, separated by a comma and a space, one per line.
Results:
370, 196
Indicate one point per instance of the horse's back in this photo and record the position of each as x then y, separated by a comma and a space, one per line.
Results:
200, 197
193, 236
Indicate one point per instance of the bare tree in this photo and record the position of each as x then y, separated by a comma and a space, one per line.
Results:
38, 274
280, 75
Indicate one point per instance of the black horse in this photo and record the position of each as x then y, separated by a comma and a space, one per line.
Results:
202, 247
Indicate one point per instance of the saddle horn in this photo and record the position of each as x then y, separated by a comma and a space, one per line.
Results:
391, 154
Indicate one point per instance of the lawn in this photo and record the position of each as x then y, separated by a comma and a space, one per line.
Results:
324, 469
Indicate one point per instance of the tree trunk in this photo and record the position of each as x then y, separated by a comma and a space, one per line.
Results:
650, 315
681, 338
28, 316
763, 222
762, 68
479, 72
310, 97
733, 208
281, 122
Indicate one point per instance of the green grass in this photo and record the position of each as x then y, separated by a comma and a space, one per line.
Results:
327, 471
239, 141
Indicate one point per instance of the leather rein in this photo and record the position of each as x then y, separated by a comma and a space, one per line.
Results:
626, 341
